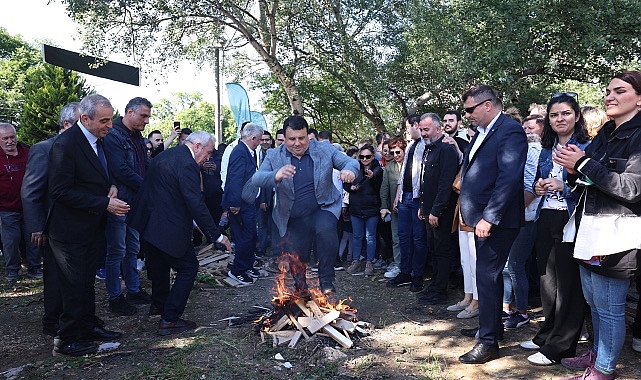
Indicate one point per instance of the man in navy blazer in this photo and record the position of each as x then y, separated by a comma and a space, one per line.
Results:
242, 213
491, 202
167, 204
82, 195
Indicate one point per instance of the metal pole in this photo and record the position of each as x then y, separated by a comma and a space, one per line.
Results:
218, 127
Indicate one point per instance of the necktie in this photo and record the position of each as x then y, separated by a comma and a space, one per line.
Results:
101, 156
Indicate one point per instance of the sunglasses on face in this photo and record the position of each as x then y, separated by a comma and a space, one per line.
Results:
472, 108
396, 152
365, 156
570, 94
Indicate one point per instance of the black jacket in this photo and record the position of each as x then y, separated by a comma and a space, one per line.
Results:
614, 166
124, 164
439, 170
365, 201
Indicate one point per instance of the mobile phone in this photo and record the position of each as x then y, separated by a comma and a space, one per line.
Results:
176, 126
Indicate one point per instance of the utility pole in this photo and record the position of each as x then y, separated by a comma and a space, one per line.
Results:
218, 128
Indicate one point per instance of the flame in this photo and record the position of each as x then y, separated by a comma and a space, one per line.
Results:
284, 295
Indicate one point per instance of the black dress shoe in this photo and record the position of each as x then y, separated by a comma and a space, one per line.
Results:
470, 333
50, 330
154, 311
99, 334
74, 348
181, 325
481, 353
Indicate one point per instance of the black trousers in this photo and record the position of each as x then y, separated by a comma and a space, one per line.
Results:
491, 255
318, 228
443, 245
76, 265
564, 307
52, 292
170, 299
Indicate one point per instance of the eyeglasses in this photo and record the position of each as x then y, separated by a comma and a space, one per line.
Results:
471, 109
396, 152
568, 94
364, 156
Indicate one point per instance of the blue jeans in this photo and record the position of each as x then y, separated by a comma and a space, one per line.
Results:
411, 236
364, 226
12, 229
515, 281
123, 245
606, 297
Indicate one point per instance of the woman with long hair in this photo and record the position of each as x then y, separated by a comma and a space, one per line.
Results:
364, 208
609, 220
563, 306
389, 186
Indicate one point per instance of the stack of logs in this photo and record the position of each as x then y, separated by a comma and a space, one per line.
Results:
313, 320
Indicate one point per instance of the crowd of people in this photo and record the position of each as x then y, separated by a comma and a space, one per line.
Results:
508, 205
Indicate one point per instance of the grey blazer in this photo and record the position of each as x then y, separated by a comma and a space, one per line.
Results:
326, 158
35, 199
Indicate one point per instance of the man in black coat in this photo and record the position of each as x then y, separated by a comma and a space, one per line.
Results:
438, 201
82, 194
168, 203
35, 204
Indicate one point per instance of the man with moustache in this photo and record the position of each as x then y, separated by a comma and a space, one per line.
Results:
82, 195
36, 203
13, 162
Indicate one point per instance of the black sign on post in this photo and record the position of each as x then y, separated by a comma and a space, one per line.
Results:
91, 65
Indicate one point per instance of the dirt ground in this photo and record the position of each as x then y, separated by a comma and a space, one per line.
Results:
409, 341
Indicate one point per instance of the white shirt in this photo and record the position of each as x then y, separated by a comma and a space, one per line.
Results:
482, 133
90, 137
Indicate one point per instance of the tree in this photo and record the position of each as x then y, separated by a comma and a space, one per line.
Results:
48, 89
514, 46
16, 57
192, 112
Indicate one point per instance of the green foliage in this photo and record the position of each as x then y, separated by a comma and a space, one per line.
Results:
16, 58
192, 112
356, 66
48, 89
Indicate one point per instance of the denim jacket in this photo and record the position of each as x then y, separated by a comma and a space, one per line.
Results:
544, 169
124, 166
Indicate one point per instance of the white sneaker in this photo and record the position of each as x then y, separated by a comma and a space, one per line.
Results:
392, 272
636, 344
529, 345
540, 359
140, 265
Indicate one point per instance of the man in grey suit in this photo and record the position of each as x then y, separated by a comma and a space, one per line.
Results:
35, 204
307, 202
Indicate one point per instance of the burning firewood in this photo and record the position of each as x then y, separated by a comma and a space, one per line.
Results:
299, 314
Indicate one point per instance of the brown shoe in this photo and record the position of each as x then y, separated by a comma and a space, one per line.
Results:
181, 325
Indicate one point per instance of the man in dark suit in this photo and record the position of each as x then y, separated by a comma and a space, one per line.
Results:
168, 203
35, 204
242, 213
491, 202
81, 194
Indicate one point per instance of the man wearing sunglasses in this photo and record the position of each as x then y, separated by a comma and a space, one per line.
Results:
491, 202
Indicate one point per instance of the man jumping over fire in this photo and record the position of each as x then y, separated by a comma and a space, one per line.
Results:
307, 202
